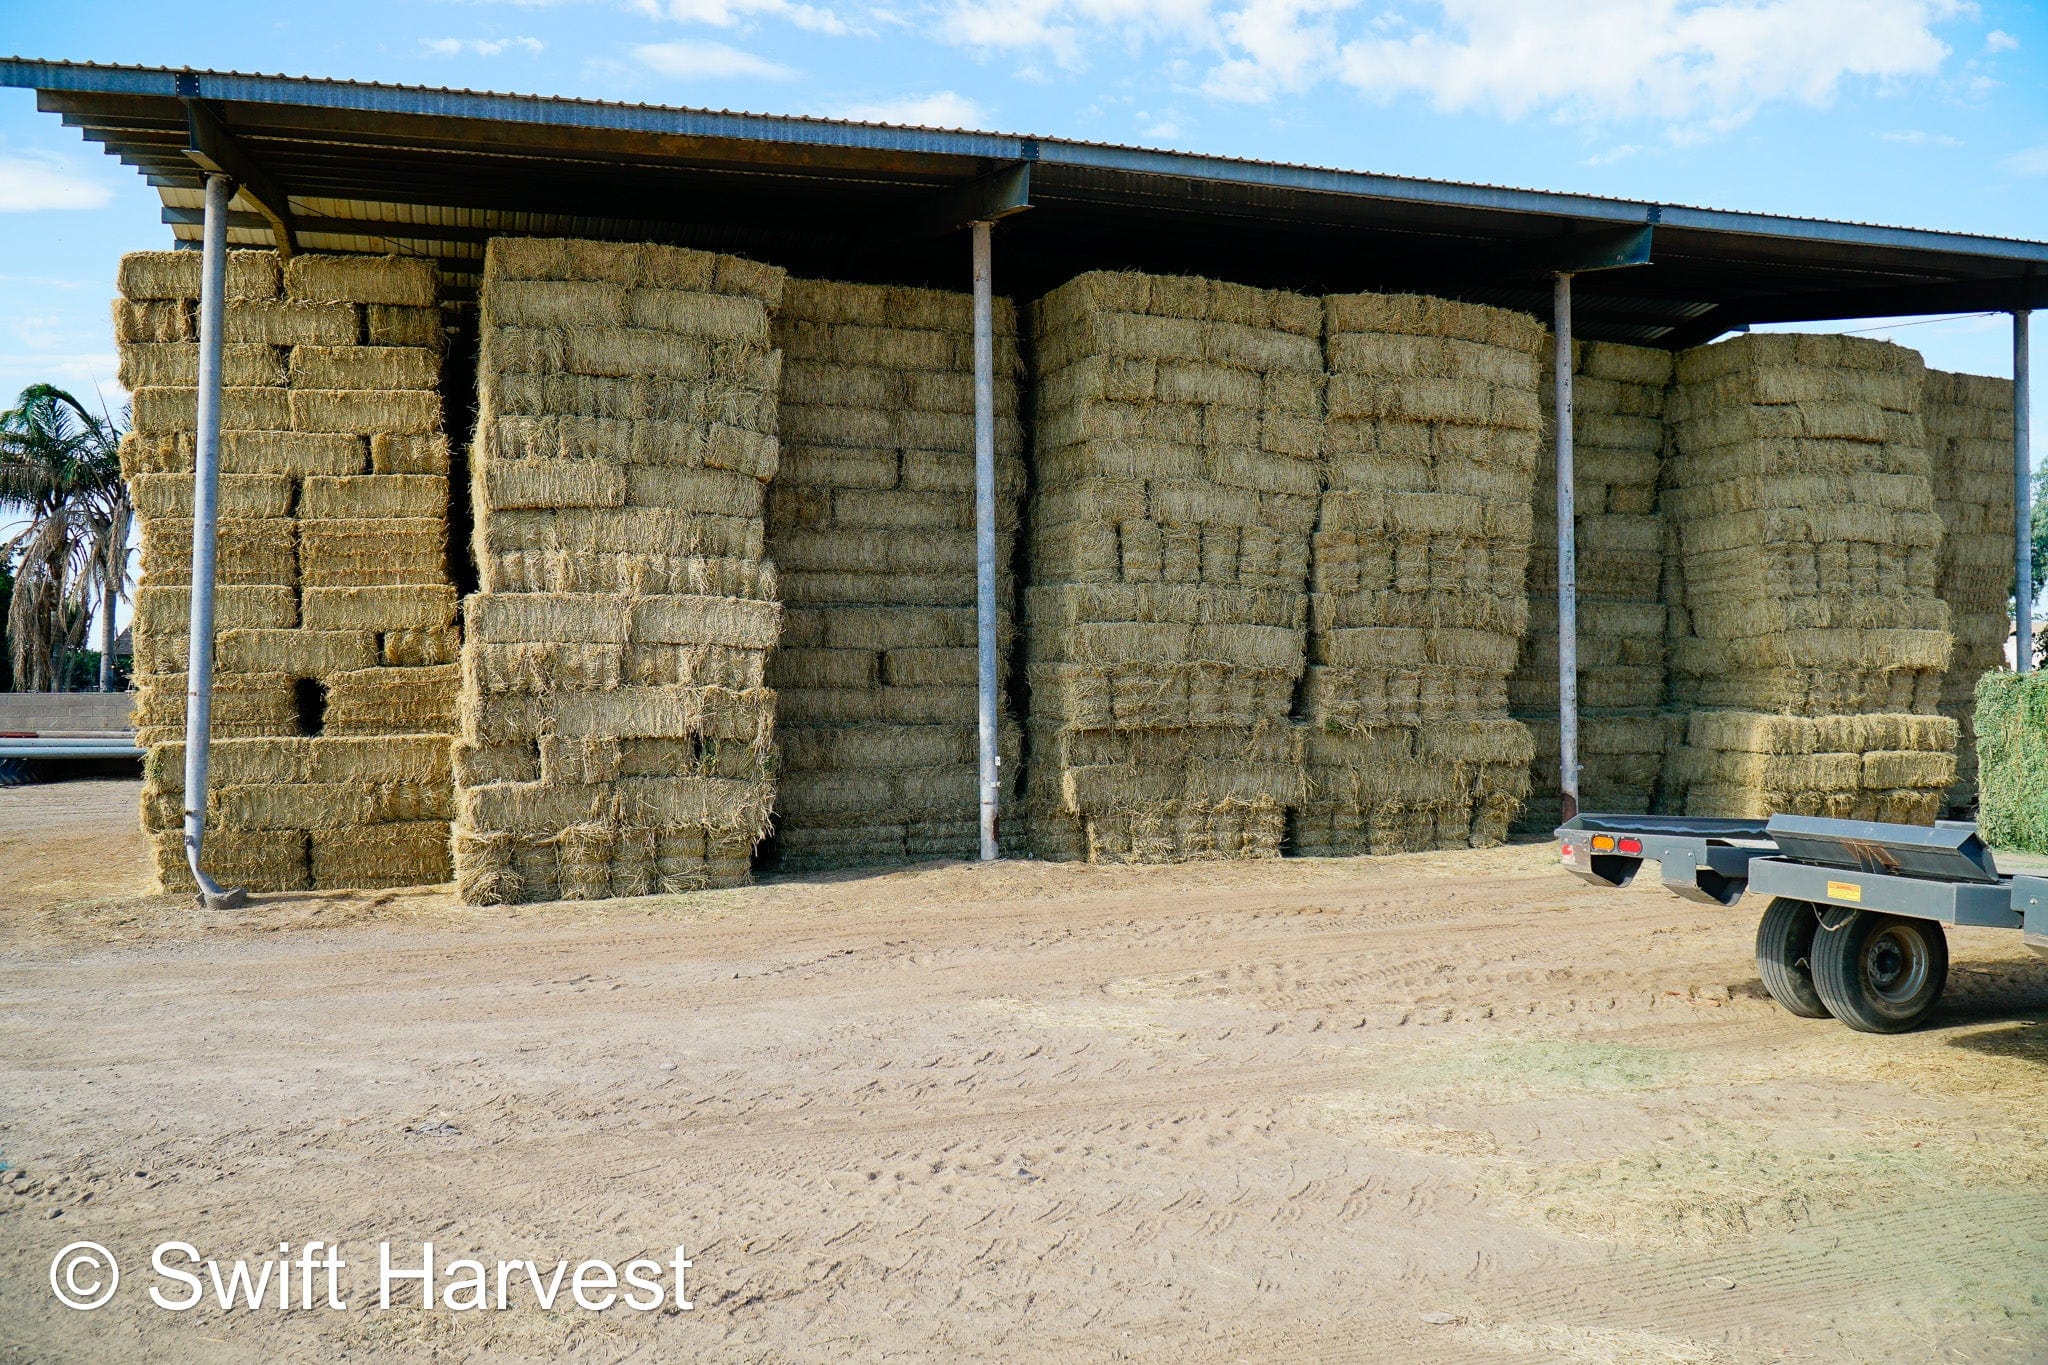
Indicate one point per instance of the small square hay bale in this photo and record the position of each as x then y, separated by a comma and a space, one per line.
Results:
529, 618
413, 648
258, 860
374, 495
176, 365
731, 621
175, 275
365, 367
399, 325
393, 701
382, 609
361, 279
160, 410
373, 551
411, 853
257, 553
298, 653
155, 321
551, 483
369, 412
238, 496
292, 324
425, 453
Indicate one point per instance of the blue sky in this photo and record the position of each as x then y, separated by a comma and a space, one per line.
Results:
1930, 113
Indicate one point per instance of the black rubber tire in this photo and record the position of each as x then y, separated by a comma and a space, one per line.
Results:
1784, 952
1879, 973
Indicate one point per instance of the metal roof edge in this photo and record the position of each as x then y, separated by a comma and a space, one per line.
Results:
562, 111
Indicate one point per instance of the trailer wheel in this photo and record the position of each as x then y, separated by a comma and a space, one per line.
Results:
1784, 952
1879, 973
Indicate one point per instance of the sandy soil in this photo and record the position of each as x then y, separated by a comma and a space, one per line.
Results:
1436, 1107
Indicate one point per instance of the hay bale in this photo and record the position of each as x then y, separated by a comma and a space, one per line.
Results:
269, 860
401, 280
410, 853
175, 275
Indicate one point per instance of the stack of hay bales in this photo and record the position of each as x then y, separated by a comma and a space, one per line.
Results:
2012, 759
1969, 445
335, 646
871, 527
617, 732
1178, 423
1809, 643
1618, 444
1418, 600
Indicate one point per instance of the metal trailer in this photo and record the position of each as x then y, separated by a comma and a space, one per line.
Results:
1854, 926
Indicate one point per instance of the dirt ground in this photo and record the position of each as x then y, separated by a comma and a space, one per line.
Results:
1436, 1107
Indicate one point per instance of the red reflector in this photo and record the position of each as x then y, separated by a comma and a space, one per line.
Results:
1631, 845
1603, 843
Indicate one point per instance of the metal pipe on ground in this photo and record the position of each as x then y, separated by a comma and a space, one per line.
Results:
2022, 489
985, 535
1567, 560
213, 273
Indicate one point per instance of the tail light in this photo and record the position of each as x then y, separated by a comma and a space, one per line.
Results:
1603, 843
1631, 845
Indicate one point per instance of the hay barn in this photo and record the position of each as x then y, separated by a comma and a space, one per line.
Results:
615, 499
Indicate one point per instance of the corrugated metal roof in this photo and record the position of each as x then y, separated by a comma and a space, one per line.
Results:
366, 166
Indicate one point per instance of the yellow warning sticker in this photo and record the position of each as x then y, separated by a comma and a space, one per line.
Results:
1845, 891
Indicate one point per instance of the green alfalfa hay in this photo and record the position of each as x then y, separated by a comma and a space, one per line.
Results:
2012, 760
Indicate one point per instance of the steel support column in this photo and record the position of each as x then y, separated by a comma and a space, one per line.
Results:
1567, 561
985, 534
2022, 490
213, 288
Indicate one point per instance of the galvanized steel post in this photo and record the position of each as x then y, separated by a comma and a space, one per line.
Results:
2022, 490
985, 536
1567, 561
213, 287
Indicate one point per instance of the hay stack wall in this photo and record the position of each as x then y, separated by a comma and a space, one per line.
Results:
1968, 419
1417, 598
871, 528
335, 678
617, 730
1178, 424
1618, 441
1810, 644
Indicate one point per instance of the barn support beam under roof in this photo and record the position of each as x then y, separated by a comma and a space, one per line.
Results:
214, 150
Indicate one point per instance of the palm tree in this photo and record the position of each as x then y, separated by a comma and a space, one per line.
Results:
60, 471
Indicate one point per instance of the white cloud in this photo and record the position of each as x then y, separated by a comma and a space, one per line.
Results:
732, 13
1700, 67
479, 47
707, 61
2033, 161
940, 109
1709, 64
29, 182
1287, 46
1612, 155
1914, 137
1998, 40
1065, 28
